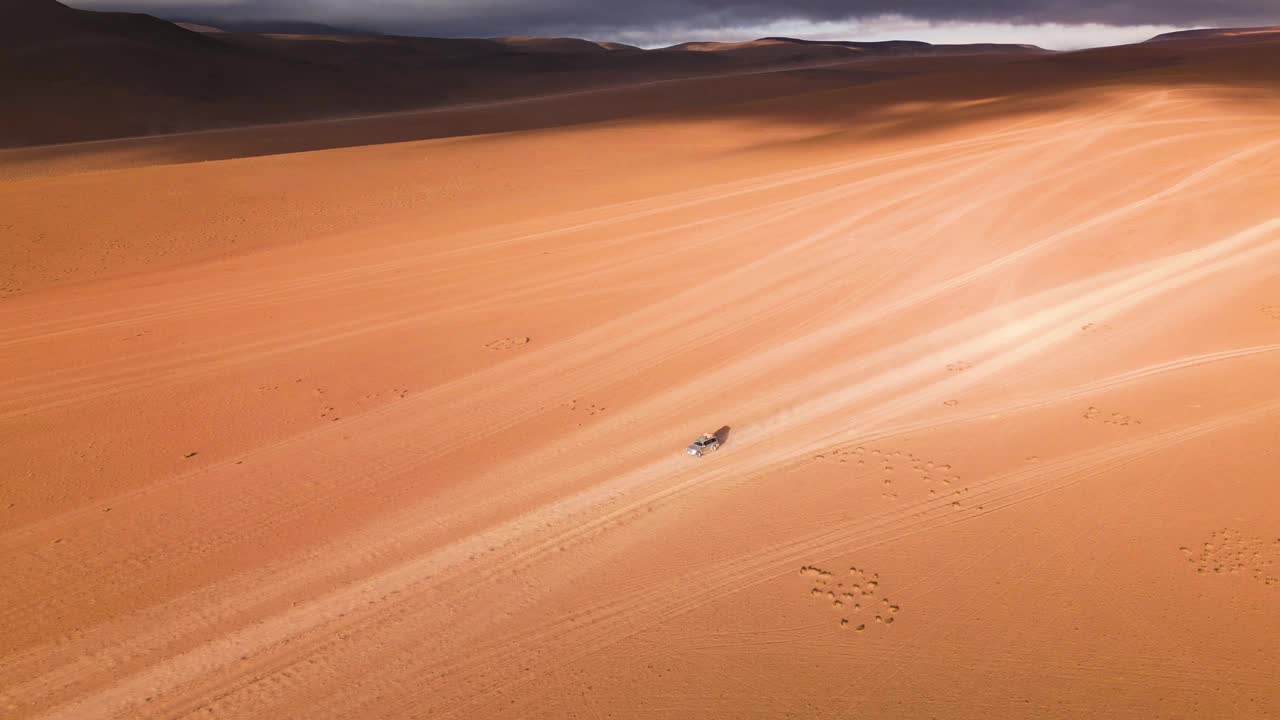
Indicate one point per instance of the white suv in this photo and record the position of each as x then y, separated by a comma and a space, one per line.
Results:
703, 445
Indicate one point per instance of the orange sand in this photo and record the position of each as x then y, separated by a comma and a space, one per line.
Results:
346, 424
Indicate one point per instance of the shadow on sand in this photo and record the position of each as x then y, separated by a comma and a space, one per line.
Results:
722, 435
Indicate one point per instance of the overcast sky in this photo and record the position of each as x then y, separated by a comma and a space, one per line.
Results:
1058, 24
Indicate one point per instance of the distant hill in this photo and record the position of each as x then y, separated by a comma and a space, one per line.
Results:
793, 50
1217, 33
881, 48
197, 27
272, 27
561, 44
47, 23
76, 74
912, 47
73, 75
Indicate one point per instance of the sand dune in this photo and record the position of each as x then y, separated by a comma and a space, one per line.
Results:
75, 75
563, 45
197, 27
1250, 33
383, 418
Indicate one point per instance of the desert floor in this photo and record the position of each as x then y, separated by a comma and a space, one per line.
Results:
395, 430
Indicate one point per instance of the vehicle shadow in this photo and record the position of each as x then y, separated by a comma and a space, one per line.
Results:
722, 435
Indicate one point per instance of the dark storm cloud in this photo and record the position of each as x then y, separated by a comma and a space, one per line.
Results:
597, 18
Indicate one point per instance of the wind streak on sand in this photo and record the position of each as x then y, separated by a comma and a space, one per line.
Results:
475, 543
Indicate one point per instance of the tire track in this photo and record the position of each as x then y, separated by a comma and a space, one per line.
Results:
1163, 277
